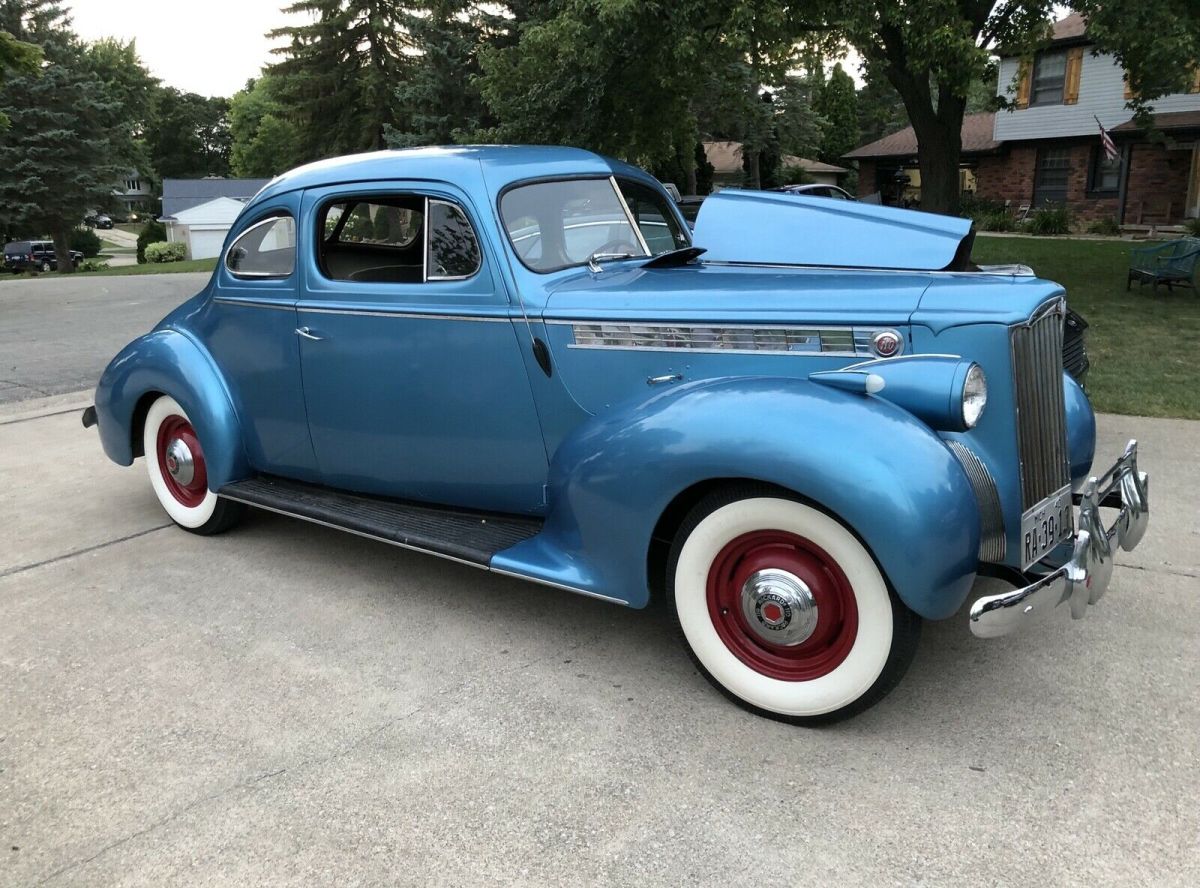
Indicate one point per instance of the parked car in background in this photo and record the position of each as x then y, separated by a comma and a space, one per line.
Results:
98, 220
34, 255
831, 191
809, 426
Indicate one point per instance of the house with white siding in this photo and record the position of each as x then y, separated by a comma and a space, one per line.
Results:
1045, 149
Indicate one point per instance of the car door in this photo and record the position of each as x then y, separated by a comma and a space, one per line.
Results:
249, 327
413, 378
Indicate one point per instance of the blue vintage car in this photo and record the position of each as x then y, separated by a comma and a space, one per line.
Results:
810, 425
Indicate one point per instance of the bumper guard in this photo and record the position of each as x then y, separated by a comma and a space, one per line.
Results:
1083, 580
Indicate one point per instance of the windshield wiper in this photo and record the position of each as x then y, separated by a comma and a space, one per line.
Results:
673, 258
593, 262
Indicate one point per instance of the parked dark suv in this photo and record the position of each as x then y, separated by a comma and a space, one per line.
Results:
35, 255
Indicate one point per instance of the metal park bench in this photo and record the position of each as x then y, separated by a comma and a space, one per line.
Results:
1170, 263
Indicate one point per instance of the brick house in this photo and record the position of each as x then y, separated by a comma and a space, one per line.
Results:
1046, 150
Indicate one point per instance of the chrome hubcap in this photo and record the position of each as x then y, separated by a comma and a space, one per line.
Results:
180, 464
779, 607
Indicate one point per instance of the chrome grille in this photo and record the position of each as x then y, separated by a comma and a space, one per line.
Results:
1041, 415
991, 518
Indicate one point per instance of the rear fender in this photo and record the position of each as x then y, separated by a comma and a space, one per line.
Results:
169, 362
861, 458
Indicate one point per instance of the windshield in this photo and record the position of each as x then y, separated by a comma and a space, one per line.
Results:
555, 225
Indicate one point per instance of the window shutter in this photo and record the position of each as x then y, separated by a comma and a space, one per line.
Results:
1071, 81
1024, 71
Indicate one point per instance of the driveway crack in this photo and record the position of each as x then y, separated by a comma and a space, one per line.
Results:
21, 568
245, 784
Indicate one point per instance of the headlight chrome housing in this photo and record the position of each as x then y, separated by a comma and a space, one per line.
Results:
974, 396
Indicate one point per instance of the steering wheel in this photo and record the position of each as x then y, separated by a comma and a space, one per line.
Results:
619, 246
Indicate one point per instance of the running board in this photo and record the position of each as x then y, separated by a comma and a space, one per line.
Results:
470, 537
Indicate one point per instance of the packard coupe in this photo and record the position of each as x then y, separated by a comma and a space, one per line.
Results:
809, 424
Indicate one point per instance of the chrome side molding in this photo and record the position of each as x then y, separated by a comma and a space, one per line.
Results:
1083, 580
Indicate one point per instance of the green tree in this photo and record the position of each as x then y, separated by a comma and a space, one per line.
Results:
439, 101
602, 74
264, 140
188, 135
72, 135
16, 56
932, 51
339, 72
837, 103
880, 109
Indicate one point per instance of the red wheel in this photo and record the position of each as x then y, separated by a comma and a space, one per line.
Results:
181, 461
782, 605
784, 609
179, 471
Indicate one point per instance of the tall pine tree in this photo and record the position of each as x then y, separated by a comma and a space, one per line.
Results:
837, 102
439, 102
338, 74
70, 137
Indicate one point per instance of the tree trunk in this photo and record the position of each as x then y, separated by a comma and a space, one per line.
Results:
939, 154
939, 145
937, 122
62, 249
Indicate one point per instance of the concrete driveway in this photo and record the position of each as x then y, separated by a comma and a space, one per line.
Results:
288, 705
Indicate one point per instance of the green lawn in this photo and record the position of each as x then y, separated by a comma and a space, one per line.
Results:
1138, 341
156, 268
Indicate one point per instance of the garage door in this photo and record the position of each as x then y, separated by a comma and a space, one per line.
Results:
206, 244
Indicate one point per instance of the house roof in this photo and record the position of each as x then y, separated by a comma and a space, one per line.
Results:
218, 211
1073, 27
1171, 120
976, 139
812, 166
726, 158
1065, 31
183, 194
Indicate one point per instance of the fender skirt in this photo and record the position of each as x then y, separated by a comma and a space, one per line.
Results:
170, 363
859, 457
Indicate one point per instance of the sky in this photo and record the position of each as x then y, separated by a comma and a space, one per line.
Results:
210, 47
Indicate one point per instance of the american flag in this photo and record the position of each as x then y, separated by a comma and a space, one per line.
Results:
1110, 147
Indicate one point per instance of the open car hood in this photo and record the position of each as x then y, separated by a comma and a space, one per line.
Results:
774, 228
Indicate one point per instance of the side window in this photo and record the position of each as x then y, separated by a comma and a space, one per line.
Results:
266, 249
453, 249
374, 240
658, 226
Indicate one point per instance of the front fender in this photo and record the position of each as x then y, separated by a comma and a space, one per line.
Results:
1081, 430
169, 362
867, 461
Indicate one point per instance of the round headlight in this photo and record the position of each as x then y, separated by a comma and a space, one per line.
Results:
974, 396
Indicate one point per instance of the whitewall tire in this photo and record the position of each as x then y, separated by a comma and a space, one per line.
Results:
178, 471
784, 609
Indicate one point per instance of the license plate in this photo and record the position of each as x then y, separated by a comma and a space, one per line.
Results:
1045, 526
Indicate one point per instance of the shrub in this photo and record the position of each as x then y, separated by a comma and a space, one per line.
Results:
93, 265
1193, 227
152, 232
163, 252
996, 221
85, 241
1052, 220
1108, 226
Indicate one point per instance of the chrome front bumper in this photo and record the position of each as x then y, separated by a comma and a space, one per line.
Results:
1082, 580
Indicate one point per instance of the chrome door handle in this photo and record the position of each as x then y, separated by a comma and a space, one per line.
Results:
670, 377
307, 333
